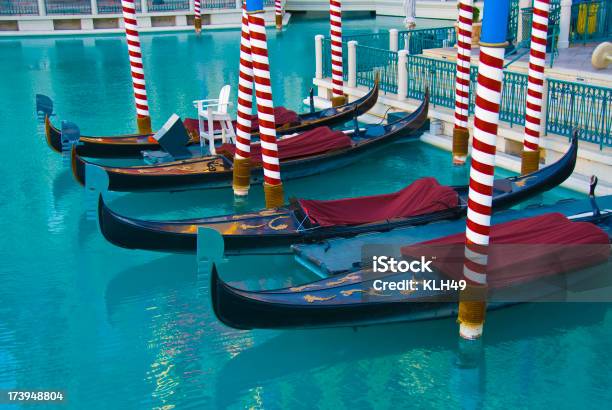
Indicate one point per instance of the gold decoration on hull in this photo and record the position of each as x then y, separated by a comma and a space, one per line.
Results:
348, 278
312, 298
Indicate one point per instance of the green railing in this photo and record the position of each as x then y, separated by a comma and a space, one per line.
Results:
591, 21
585, 107
554, 20
514, 94
570, 105
437, 74
511, 34
371, 60
415, 41
377, 40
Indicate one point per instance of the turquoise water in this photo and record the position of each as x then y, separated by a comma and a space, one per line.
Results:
133, 329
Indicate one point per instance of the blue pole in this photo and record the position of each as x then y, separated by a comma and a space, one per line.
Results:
495, 23
254, 6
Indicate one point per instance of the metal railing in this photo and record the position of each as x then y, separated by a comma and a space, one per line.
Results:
591, 21
586, 107
372, 60
377, 40
68, 6
113, 6
569, 105
218, 4
168, 5
415, 41
554, 20
18, 8
439, 76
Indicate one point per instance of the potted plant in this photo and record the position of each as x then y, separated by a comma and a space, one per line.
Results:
476, 26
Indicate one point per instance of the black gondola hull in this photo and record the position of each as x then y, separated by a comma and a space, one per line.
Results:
132, 145
133, 179
172, 237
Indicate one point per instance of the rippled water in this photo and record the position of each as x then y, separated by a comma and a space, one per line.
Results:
133, 329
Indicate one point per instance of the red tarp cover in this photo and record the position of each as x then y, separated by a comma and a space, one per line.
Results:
316, 141
282, 116
522, 250
423, 196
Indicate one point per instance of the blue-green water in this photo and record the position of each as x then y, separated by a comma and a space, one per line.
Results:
118, 329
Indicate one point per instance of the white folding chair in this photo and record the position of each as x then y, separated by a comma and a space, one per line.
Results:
213, 110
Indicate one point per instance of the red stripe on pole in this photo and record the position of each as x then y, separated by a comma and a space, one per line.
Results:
245, 93
335, 21
486, 121
535, 82
265, 107
135, 56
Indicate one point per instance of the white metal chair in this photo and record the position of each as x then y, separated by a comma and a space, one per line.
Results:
215, 110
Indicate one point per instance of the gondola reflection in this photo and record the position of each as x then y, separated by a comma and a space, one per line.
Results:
314, 352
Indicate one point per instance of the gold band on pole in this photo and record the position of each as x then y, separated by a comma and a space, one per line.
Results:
275, 197
144, 125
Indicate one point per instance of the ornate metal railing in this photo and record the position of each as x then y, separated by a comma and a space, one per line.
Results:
570, 105
168, 5
113, 6
554, 20
377, 40
18, 8
438, 75
591, 21
219, 4
371, 60
68, 7
415, 41
585, 107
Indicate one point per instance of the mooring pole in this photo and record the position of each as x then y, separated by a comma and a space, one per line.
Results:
472, 304
197, 20
530, 160
335, 30
273, 186
461, 134
278, 14
242, 166
138, 78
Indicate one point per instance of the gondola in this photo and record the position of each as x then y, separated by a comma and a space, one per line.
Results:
553, 254
309, 153
131, 145
307, 221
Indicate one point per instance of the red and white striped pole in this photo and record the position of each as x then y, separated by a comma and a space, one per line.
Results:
278, 13
273, 187
472, 305
335, 21
535, 87
461, 134
242, 167
197, 20
138, 78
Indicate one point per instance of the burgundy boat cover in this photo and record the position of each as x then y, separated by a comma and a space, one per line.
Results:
423, 196
316, 141
282, 117
522, 250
